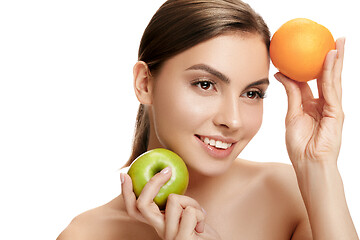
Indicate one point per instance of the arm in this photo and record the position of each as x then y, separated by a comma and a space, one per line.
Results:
323, 194
313, 138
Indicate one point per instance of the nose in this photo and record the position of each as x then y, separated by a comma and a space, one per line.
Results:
228, 114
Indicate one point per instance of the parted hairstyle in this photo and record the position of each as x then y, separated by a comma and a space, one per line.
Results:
181, 24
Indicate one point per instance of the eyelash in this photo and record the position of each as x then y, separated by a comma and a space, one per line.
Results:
258, 93
199, 82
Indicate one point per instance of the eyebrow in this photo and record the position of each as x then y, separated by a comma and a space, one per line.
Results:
210, 70
223, 77
259, 82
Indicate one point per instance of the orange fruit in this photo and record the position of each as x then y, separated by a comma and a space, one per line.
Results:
299, 47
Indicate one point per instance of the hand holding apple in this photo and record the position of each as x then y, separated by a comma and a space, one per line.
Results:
150, 163
144, 199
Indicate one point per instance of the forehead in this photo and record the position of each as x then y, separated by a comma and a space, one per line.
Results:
233, 54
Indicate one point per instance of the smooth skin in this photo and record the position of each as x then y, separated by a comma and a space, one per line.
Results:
231, 198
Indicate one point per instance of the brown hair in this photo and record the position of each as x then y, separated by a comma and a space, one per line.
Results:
181, 24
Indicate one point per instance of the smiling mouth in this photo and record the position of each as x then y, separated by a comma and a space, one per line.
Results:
215, 143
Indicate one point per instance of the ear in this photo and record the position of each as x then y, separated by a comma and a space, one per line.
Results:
143, 82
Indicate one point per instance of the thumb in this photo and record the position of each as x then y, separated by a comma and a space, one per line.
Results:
293, 92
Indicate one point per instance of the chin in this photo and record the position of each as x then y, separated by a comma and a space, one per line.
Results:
199, 161
208, 166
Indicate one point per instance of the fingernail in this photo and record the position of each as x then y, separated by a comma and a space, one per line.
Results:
122, 178
200, 228
165, 170
202, 209
336, 53
277, 76
342, 39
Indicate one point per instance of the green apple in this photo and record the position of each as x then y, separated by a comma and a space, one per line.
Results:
151, 162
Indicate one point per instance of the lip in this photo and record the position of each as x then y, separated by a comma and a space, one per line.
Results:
216, 152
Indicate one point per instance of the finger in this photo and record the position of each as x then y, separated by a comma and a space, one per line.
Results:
338, 65
130, 198
174, 208
306, 96
173, 214
200, 226
328, 87
319, 87
293, 92
145, 202
152, 187
340, 47
306, 93
191, 219
183, 201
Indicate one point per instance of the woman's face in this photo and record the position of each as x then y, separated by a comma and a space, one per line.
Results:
207, 101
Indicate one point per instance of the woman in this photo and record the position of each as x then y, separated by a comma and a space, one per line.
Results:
201, 78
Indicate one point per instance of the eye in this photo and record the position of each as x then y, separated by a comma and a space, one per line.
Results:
204, 85
254, 94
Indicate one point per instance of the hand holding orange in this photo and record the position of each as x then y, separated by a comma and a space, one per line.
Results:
299, 47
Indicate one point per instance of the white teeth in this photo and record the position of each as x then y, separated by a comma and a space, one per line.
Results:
226, 145
217, 144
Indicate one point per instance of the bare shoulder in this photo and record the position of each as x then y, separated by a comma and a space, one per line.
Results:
106, 222
276, 176
281, 175
277, 184
282, 178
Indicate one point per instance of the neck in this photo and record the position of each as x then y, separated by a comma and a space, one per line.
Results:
202, 187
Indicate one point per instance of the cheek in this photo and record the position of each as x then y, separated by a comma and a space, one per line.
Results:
178, 113
252, 119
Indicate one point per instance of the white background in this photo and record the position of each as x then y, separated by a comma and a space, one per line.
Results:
67, 108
